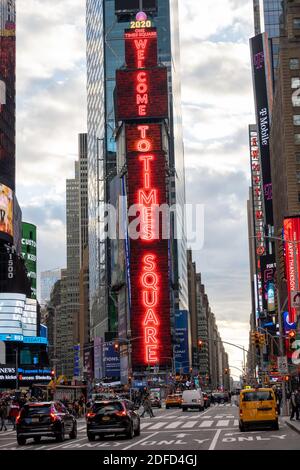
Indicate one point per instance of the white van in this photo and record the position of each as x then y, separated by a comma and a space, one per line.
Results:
192, 399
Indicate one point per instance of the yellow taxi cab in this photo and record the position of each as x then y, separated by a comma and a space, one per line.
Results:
258, 408
174, 400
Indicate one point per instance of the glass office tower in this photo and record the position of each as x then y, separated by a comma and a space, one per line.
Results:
272, 10
105, 53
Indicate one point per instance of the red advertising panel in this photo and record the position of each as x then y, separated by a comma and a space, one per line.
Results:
142, 94
292, 260
149, 265
141, 48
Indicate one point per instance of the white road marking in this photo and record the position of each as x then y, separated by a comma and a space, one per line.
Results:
215, 440
139, 442
67, 444
144, 425
158, 425
223, 423
189, 425
173, 425
206, 424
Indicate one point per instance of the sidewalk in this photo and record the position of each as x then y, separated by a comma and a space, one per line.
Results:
295, 425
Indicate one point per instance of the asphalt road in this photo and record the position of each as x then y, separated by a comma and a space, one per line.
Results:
213, 429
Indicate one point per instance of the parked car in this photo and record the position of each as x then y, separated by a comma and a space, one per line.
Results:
113, 417
192, 399
45, 419
174, 400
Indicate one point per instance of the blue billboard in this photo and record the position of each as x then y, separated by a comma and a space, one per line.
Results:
182, 363
111, 360
288, 326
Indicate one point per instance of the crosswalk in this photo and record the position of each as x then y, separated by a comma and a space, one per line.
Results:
181, 423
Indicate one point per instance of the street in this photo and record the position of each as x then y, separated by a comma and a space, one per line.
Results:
172, 430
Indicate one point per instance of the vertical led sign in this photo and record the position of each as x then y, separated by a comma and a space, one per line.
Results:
142, 104
292, 260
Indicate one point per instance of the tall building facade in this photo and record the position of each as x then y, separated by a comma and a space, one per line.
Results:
47, 281
105, 53
272, 20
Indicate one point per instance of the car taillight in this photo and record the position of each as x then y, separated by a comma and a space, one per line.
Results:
121, 413
91, 414
241, 413
54, 417
18, 418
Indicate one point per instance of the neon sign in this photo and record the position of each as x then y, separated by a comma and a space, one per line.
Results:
142, 96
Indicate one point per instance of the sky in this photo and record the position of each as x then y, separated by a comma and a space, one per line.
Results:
217, 105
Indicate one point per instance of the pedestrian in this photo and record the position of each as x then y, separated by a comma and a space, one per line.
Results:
3, 416
295, 403
14, 411
147, 407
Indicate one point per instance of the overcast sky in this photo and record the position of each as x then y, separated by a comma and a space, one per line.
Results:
217, 105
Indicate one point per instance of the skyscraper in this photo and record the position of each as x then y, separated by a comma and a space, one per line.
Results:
105, 53
272, 12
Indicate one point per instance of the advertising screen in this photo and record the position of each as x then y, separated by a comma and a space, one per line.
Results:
292, 260
149, 262
182, 347
141, 48
268, 272
142, 94
263, 102
7, 85
6, 213
111, 361
28, 244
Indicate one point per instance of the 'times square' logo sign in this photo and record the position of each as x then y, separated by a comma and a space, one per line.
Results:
142, 96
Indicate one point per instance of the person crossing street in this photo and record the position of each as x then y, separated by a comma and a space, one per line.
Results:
147, 407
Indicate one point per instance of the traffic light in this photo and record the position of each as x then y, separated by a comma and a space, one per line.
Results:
20, 377
262, 340
286, 378
52, 373
253, 337
226, 371
116, 346
200, 343
292, 338
257, 339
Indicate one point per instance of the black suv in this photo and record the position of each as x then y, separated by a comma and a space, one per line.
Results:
113, 417
49, 419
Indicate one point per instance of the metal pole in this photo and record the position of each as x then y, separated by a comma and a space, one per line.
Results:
17, 367
281, 345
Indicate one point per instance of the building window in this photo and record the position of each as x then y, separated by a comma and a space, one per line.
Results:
294, 64
296, 119
298, 197
295, 83
298, 176
296, 100
298, 158
297, 139
296, 22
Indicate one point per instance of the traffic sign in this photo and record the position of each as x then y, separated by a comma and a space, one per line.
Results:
295, 299
282, 365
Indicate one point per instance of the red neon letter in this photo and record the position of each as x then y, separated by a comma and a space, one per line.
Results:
150, 298
149, 199
150, 281
151, 335
151, 354
151, 318
143, 130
